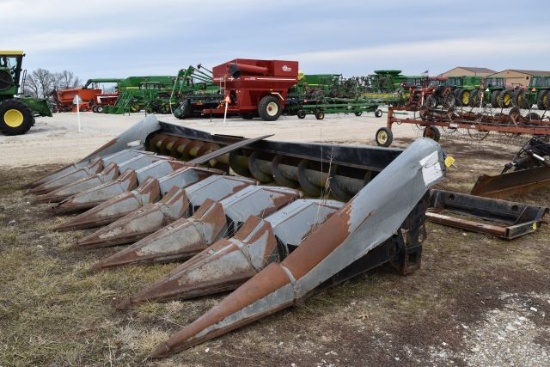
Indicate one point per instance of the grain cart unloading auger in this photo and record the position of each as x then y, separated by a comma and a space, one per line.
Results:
16, 113
270, 233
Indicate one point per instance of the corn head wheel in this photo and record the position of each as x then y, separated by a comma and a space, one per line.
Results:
15, 117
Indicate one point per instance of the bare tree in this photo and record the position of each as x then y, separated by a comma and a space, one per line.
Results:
40, 83
66, 80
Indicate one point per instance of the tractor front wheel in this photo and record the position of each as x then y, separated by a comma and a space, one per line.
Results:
15, 117
269, 108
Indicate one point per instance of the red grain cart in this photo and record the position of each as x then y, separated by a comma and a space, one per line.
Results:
254, 88
65, 97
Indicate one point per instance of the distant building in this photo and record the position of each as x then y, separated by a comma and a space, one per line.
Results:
517, 77
467, 71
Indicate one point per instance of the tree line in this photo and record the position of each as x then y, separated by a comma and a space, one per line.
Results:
41, 83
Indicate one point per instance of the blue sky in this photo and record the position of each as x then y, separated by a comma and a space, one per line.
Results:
120, 38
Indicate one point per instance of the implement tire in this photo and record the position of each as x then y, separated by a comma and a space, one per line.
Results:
269, 108
15, 117
383, 137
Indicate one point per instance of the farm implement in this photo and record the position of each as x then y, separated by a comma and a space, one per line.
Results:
271, 221
478, 125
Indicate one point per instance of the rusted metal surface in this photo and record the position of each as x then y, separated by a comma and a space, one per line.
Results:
528, 170
127, 181
229, 262
111, 172
150, 191
511, 183
288, 248
214, 219
501, 218
373, 216
175, 204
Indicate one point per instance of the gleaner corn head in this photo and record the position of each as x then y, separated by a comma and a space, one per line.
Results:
249, 215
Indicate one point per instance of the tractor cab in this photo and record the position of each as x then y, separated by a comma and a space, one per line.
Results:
10, 73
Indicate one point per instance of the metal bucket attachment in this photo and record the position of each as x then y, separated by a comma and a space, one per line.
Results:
500, 218
376, 214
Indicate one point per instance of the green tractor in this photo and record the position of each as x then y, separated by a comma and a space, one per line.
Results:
466, 89
538, 92
17, 113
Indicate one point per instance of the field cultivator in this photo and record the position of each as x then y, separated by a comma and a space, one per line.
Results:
249, 215
476, 124
529, 169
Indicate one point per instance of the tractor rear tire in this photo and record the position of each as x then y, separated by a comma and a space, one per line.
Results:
543, 100
464, 97
494, 98
504, 99
475, 98
16, 118
269, 108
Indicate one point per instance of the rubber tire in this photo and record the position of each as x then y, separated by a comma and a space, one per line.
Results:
475, 97
430, 102
358, 113
519, 99
383, 137
378, 113
319, 115
494, 98
432, 132
100, 109
463, 97
543, 100
27, 121
504, 99
269, 108
449, 101
301, 114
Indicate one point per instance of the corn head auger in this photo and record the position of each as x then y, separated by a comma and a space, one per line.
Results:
249, 215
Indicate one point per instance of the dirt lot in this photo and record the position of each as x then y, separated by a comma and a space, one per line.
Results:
476, 301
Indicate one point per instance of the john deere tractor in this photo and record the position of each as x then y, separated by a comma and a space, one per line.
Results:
16, 113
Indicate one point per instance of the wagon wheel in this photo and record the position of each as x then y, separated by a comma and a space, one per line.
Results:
384, 137
432, 132
301, 114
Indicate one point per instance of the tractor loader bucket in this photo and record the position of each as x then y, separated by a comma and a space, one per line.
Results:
184, 238
174, 205
500, 218
150, 191
512, 183
127, 181
111, 172
231, 261
382, 212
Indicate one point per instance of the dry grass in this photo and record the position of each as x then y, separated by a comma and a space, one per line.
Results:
54, 312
